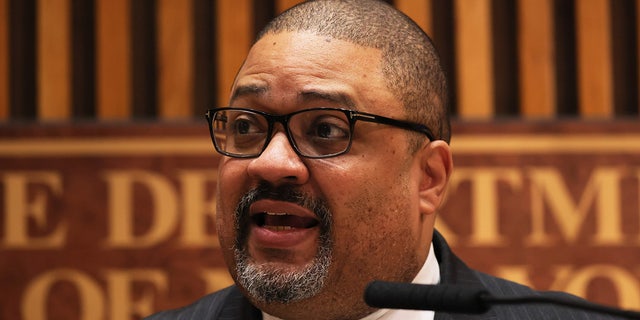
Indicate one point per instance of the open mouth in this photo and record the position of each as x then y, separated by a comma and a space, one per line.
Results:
279, 221
275, 224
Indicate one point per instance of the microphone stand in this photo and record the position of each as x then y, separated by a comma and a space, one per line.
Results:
465, 299
576, 304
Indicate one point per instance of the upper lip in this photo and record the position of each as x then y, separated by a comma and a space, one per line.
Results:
280, 207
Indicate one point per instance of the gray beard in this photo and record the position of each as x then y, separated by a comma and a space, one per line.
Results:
267, 283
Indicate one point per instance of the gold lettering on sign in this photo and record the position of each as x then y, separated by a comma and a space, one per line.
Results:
198, 207
34, 301
121, 213
20, 208
603, 189
120, 284
484, 197
626, 285
577, 280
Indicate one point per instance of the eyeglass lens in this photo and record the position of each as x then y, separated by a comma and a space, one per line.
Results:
313, 132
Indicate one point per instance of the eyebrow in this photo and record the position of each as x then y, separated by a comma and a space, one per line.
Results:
248, 90
305, 96
335, 97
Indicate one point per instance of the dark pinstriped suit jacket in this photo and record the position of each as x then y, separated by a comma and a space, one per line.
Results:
230, 304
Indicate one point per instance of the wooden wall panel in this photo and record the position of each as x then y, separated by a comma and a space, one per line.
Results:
204, 62
4, 60
83, 59
536, 59
175, 70
282, 5
235, 35
147, 59
54, 59
113, 52
474, 59
418, 10
595, 80
144, 59
624, 58
100, 213
504, 56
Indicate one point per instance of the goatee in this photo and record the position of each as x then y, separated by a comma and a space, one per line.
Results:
266, 282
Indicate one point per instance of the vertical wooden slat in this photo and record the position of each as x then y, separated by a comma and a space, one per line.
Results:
444, 37
4, 60
595, 81
205, 70
638, 47
23, 61
536, 59
235, 34
474, 59
282, 5
83, 65
144, 59
624, 58
566, 64
506, 89
419, 11
175, 32
113, 59
263, 13
54, 71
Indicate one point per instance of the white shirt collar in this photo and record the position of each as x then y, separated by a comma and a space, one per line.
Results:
429, 274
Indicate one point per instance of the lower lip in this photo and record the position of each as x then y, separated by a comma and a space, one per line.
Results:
283, 239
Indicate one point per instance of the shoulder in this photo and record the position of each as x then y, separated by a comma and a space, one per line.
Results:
504, 288
500, 286
455, 271
212, 306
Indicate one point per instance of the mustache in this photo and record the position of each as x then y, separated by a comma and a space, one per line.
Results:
287, 193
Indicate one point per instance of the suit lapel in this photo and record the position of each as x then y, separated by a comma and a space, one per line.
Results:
454, 271
237, 307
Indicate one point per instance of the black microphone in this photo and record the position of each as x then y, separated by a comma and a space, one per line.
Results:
466, 299
450, 298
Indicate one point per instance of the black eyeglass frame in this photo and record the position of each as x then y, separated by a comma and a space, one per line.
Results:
351, 115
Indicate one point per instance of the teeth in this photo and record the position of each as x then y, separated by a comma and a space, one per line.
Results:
276, 213
278, 228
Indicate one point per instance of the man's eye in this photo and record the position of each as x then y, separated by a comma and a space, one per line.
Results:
242, 127
329, 130
245, 126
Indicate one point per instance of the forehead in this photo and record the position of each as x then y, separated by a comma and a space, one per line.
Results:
302, 66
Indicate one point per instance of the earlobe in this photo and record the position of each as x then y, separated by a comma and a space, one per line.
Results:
436, 169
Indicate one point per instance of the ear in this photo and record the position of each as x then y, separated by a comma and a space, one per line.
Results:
437, 166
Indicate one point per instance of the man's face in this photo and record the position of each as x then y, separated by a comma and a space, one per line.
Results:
304, 236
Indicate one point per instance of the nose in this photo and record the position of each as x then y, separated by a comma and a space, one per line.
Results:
279, 163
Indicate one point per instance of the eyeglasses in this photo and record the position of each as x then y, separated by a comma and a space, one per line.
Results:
313, 133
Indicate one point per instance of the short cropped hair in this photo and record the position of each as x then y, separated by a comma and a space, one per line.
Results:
410, 62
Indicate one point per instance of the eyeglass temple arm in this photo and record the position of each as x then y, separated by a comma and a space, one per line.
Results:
396, 123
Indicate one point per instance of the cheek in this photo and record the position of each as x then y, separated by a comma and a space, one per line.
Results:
380, 214
373, 237
375, 215
225, 227
229, 191
232, 177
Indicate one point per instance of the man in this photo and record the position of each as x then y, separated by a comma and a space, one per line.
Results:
335, 162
